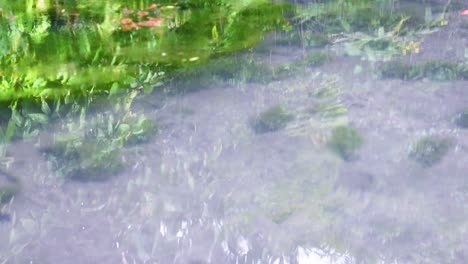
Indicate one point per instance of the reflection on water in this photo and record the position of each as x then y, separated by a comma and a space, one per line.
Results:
303, 150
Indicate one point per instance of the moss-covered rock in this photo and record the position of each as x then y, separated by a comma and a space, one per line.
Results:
345, 141
274, 118
429, 150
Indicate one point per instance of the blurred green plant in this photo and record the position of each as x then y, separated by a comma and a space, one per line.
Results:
345, 141
429, 150
272, 119
433, 70
90, 150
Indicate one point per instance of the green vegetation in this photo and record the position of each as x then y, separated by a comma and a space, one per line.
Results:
429, 150
433, 70
272, 119
91, 151
345, 141
462, 119
316, 59
304, 39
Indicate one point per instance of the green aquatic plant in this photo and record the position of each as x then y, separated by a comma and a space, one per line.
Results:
304, 39
433, 70
89, 160
345, 141
429, 150
272, 119
316, 59
91, 150
395, 70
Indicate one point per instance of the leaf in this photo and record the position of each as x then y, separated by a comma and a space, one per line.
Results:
10, 131
16, 117
39, 118
45, 107
114, 89
214, 34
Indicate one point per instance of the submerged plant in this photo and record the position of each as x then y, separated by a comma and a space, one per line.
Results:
432, 70
92, 151
429, 150
316, 59
274, 118
345, 141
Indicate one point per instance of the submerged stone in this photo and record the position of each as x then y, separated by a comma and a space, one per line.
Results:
429, 150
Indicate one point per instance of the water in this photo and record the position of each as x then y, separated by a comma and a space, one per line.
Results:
208, 188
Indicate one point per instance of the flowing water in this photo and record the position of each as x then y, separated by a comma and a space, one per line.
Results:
209, 188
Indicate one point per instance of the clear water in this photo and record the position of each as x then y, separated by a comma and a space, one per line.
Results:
209, 189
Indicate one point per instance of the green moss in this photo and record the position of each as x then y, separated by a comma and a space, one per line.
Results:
7, 192
275, 118
429, 150
462, 119
345, 141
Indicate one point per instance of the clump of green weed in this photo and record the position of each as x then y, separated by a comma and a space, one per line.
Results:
92, 151
7, 192
395, 70
345, 141
429, 150
462, 119
432, 70
316, 59
84, 160
274, 118
313, 40
305, 39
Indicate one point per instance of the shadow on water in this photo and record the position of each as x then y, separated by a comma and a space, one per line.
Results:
335, 133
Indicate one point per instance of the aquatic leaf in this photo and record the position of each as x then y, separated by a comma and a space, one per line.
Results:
45, 107
10, 131
214, 34
39, 118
